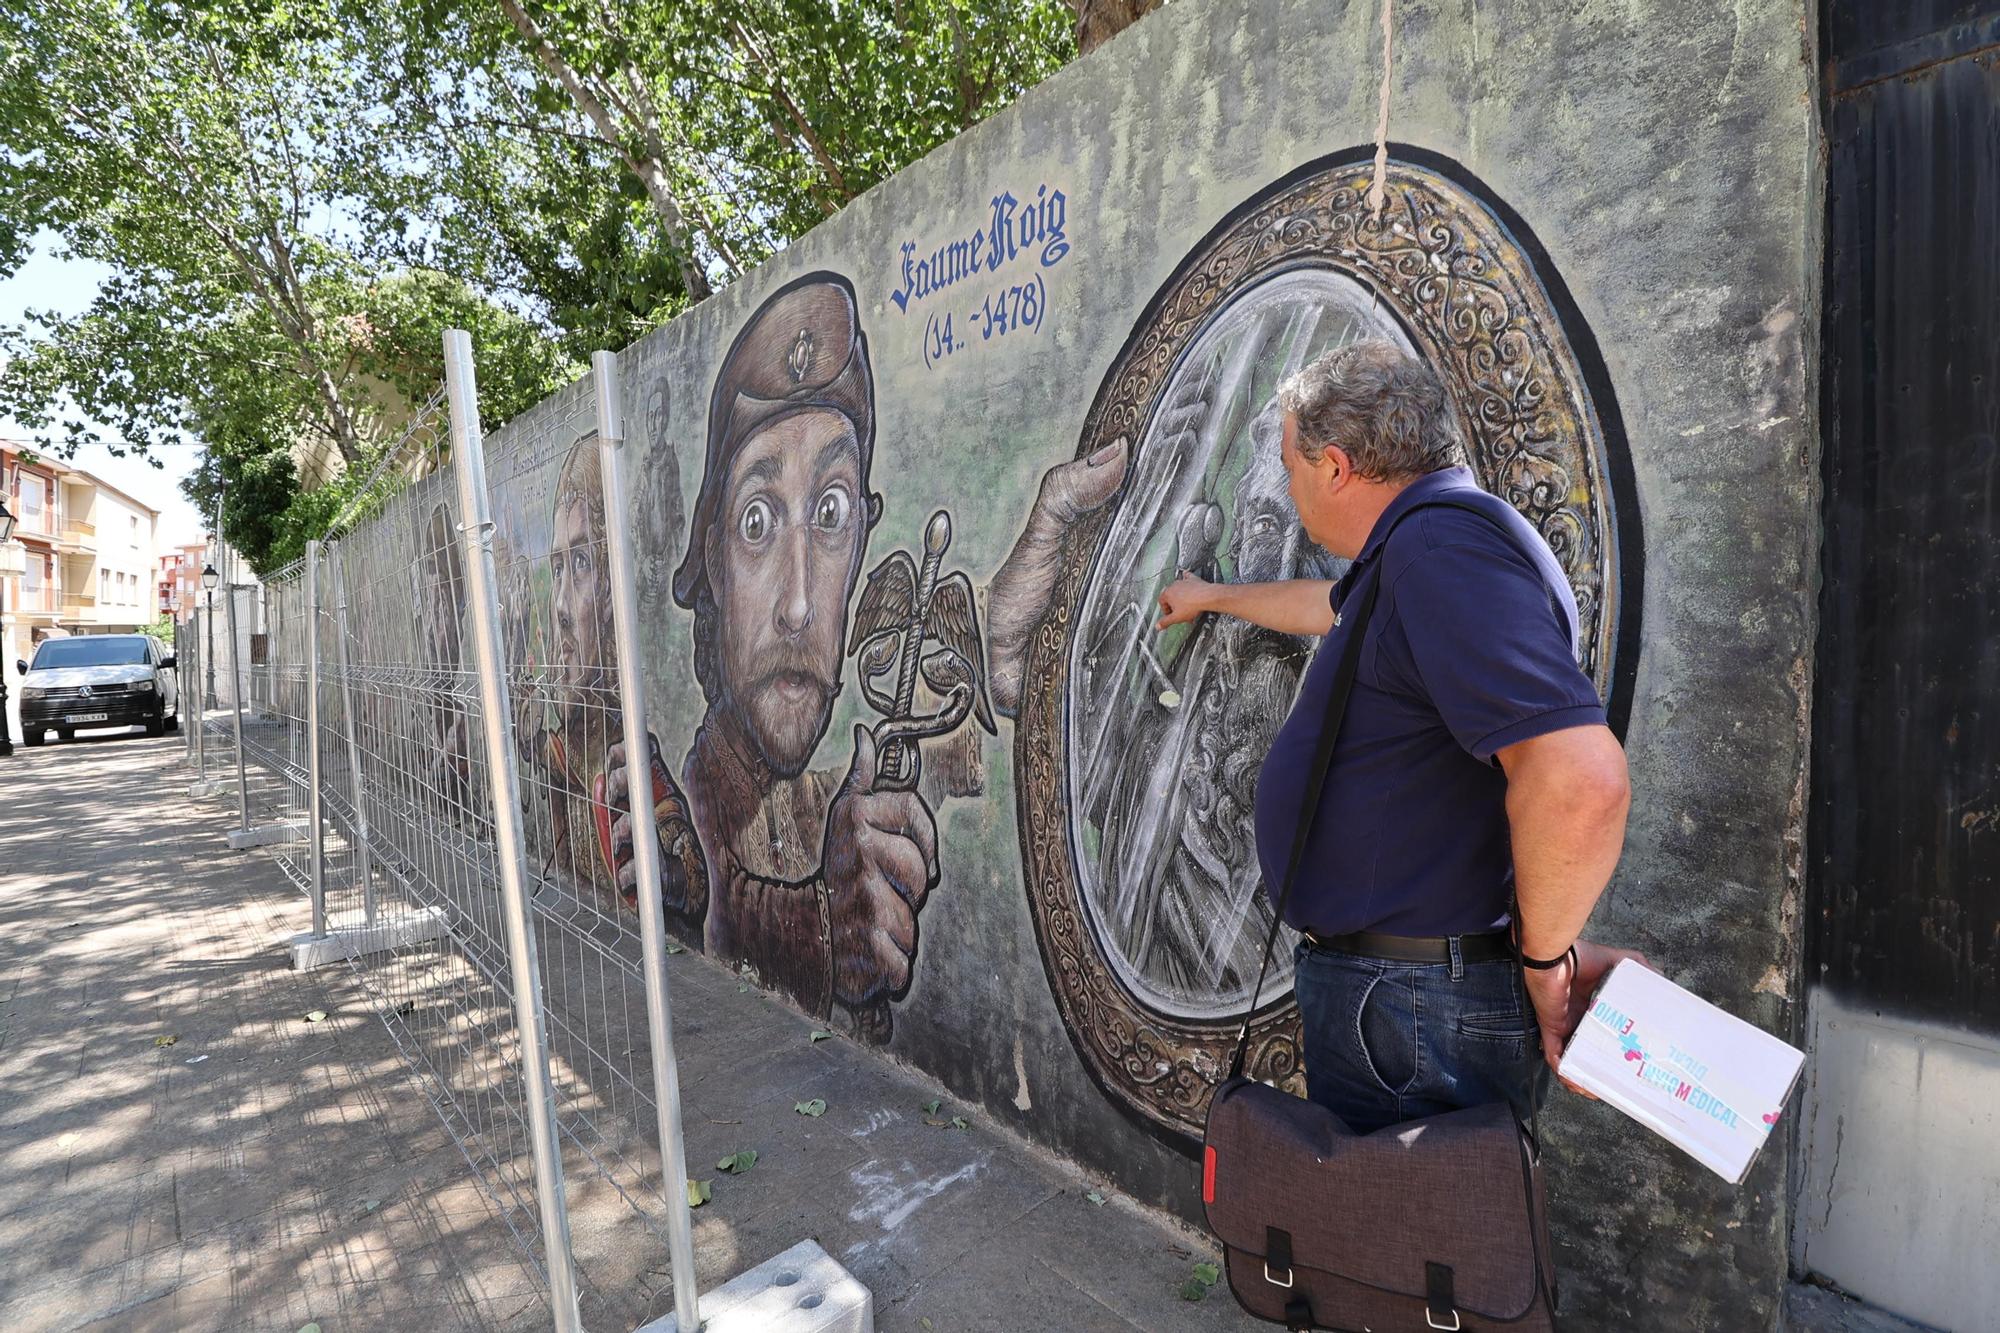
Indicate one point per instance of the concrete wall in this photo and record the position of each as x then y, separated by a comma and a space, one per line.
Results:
1627, 191
1898, 1196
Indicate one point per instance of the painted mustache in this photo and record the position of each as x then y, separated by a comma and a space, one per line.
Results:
796, 676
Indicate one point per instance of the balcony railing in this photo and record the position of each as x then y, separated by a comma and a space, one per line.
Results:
41, 599
78, 534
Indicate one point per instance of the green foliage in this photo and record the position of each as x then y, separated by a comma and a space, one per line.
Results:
162, 629
220, 161
295, 200
757, 120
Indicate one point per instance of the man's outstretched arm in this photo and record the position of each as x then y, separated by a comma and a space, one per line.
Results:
1293, 606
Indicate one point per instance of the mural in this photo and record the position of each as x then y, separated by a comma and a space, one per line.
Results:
558, 636
1136, 753
819, 873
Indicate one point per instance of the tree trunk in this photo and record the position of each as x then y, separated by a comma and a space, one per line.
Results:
1098, 21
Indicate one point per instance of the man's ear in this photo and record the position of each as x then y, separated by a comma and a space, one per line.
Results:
1336, 468
874, 509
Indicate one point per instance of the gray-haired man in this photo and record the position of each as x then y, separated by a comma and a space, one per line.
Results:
1473, 764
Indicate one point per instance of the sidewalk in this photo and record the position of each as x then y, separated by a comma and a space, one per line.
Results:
263, 1172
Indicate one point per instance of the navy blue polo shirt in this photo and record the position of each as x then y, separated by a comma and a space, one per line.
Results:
1465, 654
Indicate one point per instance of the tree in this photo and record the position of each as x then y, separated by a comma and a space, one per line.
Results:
727, 129
219, 160
1098, 21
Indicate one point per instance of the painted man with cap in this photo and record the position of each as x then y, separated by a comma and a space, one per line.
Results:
583, 754
816, 875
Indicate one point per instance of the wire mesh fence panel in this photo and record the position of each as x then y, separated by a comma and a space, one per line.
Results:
546, 497
401, 759
366, 646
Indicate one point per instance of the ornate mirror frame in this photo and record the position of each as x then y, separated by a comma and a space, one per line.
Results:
1478, 298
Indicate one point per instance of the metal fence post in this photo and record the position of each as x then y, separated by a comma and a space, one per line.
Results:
200, 705
316, 826
645, 840
363, 855
184, 652
497, 728
236, 707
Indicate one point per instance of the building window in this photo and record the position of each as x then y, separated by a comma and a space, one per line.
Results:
135, 530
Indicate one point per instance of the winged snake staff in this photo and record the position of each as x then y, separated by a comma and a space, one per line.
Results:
909, 620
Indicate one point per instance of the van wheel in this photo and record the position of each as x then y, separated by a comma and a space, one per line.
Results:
156, 725
32, 738
174, 722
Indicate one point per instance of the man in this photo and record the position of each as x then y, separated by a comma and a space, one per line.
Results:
817, 874
1473, 763
584, 754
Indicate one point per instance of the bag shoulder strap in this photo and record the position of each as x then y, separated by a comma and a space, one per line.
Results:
1356, 628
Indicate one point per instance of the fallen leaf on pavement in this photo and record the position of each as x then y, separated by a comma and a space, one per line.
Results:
674, 947
820, 1035
817, 1106
738, 1162
316, 1016
167, 1040
1095, 1198
958, 1122
930, 1107
700, 1192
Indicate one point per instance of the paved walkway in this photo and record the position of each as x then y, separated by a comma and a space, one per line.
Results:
179, 1149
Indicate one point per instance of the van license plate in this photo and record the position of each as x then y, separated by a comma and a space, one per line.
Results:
74, 718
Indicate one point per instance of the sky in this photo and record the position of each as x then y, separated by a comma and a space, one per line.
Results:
46, 282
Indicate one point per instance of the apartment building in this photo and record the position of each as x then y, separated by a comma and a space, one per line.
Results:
180, 578
82, 559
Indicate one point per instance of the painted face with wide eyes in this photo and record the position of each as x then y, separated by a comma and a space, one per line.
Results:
782, 559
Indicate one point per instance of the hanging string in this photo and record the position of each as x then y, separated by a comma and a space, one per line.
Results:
1378, 190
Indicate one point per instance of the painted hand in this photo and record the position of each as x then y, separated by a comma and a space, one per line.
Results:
880, 862
1019, 594
1185, 598
1561, 996
682, 891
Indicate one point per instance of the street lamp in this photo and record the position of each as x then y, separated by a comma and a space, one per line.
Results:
209, 578
6, 535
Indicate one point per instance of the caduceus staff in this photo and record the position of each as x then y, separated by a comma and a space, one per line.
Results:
911, 621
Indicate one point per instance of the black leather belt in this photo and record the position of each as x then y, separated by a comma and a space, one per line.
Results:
1483, 948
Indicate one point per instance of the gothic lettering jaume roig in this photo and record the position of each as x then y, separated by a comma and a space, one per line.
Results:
1010, 229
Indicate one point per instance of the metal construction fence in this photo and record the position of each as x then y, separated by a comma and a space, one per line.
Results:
400, 714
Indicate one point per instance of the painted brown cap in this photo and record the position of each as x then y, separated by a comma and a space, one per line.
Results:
803, 350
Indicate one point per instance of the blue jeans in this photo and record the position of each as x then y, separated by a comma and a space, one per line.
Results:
1387, 1042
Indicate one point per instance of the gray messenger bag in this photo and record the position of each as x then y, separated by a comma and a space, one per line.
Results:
1437, 1223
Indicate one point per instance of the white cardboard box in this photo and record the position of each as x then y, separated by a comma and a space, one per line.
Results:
1705, 1080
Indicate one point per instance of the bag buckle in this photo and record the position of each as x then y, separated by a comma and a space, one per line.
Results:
1431, 1319
1273, 1281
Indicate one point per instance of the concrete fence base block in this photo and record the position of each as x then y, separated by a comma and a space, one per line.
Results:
802, 1290
355, 938
242, 839
201, 791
